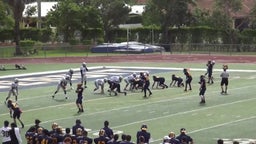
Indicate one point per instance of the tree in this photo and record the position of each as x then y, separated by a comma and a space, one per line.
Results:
222, 18
166, 14
17, 7
69, 16
65, 16
252, 17
113, 13
201, 17
6, 20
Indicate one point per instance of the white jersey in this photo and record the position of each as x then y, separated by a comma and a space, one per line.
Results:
83, 70
115, 79
5, 134
224, 74
14, 86
129, 78
69, 74
62, 82
99, 82
17, 133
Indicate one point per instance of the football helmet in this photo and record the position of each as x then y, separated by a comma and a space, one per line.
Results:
120, 78
67, 77
16, 80
105, 80
84, 64
71, 71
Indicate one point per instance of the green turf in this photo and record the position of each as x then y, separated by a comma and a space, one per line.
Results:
223, 116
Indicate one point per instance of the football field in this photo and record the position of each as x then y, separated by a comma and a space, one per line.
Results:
230, 117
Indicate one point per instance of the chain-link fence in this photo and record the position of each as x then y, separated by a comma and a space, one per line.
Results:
66, 50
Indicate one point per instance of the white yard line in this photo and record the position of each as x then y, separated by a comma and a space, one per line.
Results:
137, 122
46, 72
215, 126
142, 121
120, 67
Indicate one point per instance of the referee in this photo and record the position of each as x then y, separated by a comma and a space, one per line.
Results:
224, 80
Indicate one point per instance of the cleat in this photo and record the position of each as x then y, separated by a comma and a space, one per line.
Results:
150, 94
85, 86
125, 93
22, 125
66, 97
53, 96
115, 94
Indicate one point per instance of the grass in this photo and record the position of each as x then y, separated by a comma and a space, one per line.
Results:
224, 116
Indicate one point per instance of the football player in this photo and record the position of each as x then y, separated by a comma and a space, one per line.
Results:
18, 66
210, 65
138, 82
15, 111
13, 90
159, 82
129, 80
188, 79
83, 70
146, 84
30, 135
114, 83
70, 74
5, 133
2, 68
100, 83
202, 89
79, 100
62, 84
178, 80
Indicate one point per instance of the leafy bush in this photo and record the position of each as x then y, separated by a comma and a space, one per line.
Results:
27, 47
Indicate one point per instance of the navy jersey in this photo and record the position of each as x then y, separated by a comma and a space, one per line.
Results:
108, 132
101, 140
79, 92
184, 137
203, 83
57, 138
188, 75
75, 127
145, 134
30, 136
